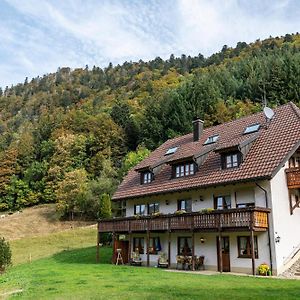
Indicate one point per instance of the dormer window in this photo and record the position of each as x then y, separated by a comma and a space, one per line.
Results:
147, 177
184, 169
211, 139
231, 160
252, 128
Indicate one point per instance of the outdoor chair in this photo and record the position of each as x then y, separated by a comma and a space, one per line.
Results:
199, 263
162, 261
180, 260
135, 259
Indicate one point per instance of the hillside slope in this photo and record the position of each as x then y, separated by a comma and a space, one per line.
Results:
36, 221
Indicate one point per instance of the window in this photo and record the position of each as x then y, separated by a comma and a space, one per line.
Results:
147, 177
171, 150
185, 205
252, 128
138, 245
244, 205
212, 139
121, 209
230, 160
184, 246
244, 247
184, 170
139, 209
153, 208
154, 245
222, 202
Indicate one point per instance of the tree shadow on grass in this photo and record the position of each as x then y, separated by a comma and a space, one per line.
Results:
84, 256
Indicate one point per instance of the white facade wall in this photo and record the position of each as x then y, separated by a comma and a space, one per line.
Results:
286, 226
209, 249
242, 193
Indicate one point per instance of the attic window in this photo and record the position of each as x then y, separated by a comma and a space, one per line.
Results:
171, 150
212, 139
252, 128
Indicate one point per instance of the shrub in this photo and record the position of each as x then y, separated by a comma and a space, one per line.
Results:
5, 255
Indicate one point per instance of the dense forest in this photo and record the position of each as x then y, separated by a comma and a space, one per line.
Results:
69, 137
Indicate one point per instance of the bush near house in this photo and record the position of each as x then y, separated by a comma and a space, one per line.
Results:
5, 255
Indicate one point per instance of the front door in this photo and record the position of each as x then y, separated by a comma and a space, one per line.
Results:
225, 253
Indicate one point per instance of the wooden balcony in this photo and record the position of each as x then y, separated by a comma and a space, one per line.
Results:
293, 178
242, 219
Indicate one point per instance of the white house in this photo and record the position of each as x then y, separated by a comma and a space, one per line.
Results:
230, 193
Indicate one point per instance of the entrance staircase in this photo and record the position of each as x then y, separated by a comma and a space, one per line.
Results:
293, 271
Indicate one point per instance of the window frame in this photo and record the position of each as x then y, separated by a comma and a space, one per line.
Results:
211, 139
255, 127
156, 208
185, 201
189, 244
224, 202
233, 163
138, 210
146, 177
153, 243
184, 169
248, 247
139, 243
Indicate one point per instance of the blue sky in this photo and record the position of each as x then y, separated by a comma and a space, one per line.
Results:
38, 36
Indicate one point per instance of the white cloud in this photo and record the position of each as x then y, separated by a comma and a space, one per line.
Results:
38, 36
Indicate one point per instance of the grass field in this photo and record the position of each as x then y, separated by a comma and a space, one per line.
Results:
73, 274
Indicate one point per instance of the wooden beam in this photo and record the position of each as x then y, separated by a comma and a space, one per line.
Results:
169, 248
98, 245
252, 252
193, 250
148, 244
129, 247
220, 252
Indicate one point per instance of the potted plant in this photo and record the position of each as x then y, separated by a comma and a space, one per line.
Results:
264, 269
180, 212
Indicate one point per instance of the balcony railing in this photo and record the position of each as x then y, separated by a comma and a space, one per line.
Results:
293, 178
230, 219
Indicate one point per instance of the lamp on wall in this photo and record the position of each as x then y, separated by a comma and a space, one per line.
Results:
277, 238
167, 202
202, 240
201, 198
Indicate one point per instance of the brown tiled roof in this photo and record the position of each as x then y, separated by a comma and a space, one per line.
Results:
271, 148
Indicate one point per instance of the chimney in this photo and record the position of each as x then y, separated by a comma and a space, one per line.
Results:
198, 129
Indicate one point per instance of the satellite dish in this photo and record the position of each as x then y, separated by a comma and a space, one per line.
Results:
269, 113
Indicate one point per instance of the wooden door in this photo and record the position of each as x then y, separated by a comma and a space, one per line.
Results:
124, 246
225, 253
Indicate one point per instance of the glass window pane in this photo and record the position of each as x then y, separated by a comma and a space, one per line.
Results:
187, 170
220, 203
181, 170
191, 169
228, 161
227, 202
177, 171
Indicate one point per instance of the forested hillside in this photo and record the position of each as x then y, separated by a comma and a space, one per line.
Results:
69, 137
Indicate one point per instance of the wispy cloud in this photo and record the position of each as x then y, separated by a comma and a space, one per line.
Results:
38, 36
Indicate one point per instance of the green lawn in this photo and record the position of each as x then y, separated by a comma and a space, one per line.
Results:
73, 274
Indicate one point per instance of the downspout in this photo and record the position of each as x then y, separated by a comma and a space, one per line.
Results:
269, 236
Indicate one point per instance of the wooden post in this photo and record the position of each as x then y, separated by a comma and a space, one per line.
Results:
220, 247
252, 252
252, 244
193, 250
114, 246
98, 245
169, 242
220, 252
129, 248
148, 244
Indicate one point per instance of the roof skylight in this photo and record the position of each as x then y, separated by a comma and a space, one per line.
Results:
211, 139
171, 150
252, 128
